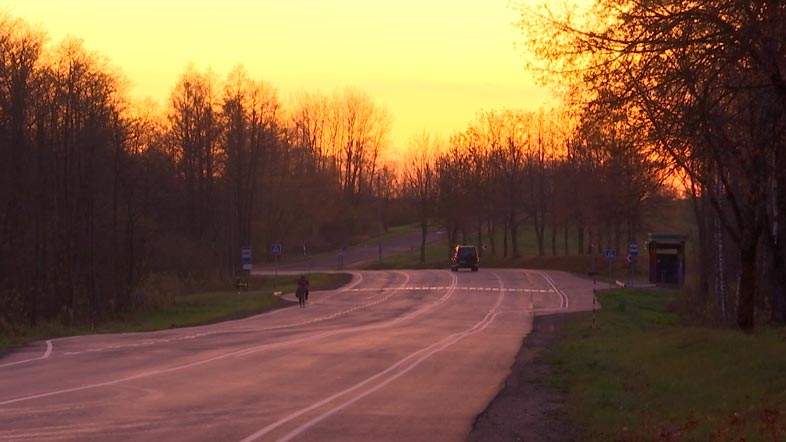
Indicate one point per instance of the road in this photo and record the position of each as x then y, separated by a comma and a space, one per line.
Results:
392, 356
356, 255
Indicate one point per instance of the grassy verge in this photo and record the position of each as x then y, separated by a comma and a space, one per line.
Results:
640, 375
184, 310
436, 257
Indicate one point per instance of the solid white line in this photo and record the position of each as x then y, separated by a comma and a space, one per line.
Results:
356, 281
47, 353
240, 352
421, 355
564, 300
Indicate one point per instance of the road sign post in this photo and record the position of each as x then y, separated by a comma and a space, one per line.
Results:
633, 252
341, 257
246, 265
275, 250
611, 255
245, 257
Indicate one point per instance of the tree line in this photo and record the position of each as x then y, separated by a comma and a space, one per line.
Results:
699, 87
104, 199
585, 187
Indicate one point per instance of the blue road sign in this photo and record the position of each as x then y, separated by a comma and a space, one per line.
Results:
275, 249
611, 254
245, 254
633, 249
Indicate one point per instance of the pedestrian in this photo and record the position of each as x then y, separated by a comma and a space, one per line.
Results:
302, 290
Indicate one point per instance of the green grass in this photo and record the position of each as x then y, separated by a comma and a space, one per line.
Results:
185, 310
436, 257
392, 232
640, 375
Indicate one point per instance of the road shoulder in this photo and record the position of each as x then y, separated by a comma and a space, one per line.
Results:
529, 407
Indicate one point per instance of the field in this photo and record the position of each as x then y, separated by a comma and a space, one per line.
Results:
641, 375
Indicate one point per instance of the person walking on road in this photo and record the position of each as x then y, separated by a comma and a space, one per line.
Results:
302, 290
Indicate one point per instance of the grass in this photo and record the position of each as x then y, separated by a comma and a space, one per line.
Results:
184, 310
674, 217
640, 375
436, 257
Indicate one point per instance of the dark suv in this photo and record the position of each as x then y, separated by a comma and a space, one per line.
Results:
464, 257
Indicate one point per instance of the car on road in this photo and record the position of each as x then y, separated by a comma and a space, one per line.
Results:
464, 257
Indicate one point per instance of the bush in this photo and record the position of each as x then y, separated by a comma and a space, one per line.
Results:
157, 290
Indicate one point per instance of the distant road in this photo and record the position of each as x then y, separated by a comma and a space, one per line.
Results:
354, 256
393, 356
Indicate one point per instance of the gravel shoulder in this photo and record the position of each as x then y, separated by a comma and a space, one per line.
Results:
529, 408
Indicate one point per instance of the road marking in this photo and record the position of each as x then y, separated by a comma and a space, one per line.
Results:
466, 289
240, 352
419, 356
564, 301
357, 281
47, 353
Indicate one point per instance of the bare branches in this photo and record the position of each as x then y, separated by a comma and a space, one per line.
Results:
702, 77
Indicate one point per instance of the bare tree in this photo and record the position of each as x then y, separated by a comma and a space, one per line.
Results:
195, 133
692, 74
251, 128
420, 180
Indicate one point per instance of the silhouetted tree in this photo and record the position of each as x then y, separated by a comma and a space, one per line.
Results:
420, 181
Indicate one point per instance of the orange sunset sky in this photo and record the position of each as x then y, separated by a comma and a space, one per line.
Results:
432, 63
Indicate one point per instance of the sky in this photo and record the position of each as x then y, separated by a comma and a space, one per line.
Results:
434, 64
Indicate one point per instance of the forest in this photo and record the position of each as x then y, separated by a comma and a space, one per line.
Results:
102, 196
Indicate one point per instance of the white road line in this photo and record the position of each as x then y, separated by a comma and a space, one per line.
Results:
465, 289
564, 301
419, 356
240, 352
47, 353
357, 280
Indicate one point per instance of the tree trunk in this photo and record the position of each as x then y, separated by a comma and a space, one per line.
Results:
778, 287
539, 233
492, 235
423, 234
565, 238
505, 241
514, 234
480, 235
746, 287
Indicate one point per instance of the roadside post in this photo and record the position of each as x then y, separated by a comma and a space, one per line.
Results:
611, 255
593, 251
633, 253
246, 264
594, 294
275, 250
307, 256
341, 257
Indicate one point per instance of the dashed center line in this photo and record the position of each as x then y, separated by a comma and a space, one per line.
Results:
470, 289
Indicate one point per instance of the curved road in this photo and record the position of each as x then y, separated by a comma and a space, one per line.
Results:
394, 355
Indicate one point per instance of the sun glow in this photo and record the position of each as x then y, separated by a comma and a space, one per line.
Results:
434, 64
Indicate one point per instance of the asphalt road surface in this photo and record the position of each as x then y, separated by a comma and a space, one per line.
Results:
393, 356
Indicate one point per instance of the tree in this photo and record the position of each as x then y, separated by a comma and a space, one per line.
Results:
360, 132
195, 131
251, 129
21, 217
420, 180
692, 75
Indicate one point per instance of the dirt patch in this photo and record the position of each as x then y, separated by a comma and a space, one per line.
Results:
529, 408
